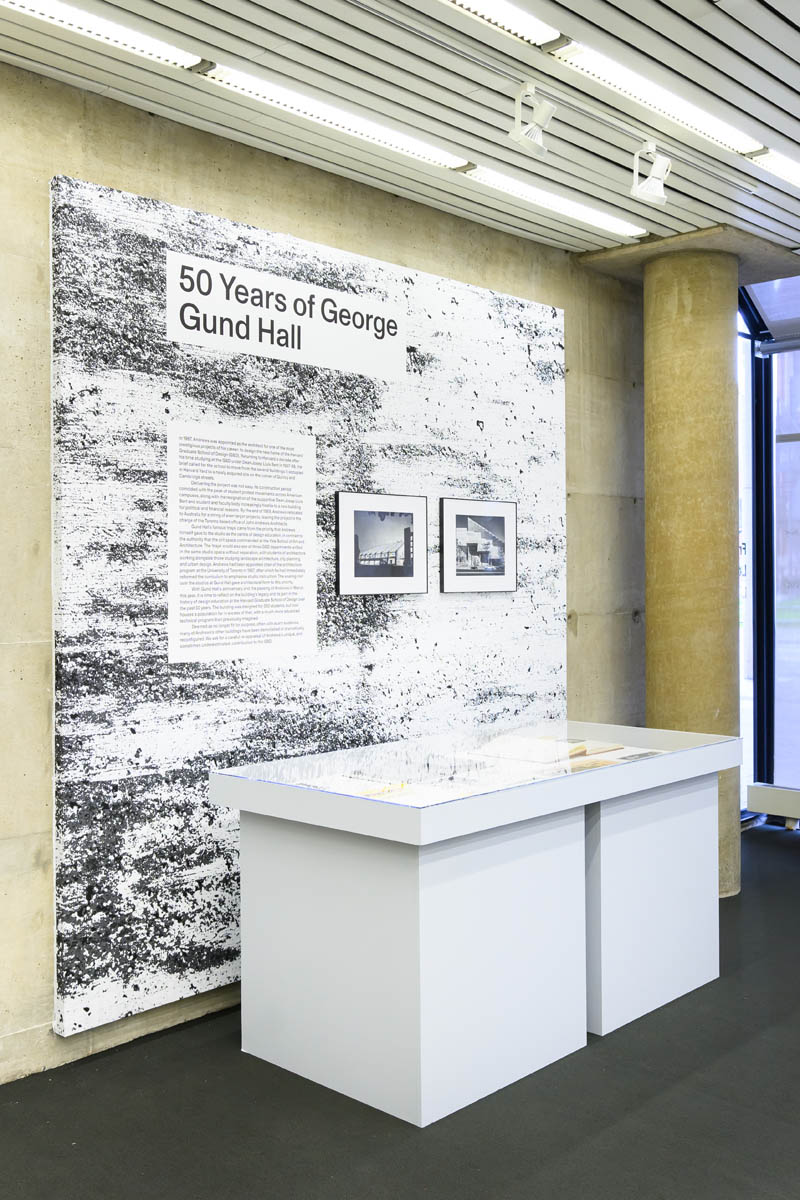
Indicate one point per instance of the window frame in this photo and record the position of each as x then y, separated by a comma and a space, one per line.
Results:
763, 535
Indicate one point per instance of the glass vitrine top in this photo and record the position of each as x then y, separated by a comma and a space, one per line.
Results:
421, 772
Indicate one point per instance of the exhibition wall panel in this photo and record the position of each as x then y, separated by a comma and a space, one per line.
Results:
173, 322
51, 129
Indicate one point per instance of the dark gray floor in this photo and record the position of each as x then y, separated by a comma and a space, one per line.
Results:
696, 1101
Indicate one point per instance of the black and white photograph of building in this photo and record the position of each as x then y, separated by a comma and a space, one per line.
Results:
480, 545
383, 544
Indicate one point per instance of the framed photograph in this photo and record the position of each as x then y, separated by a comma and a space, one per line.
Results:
381, 543
478, 540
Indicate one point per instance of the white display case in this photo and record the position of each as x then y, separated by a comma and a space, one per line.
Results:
424, 922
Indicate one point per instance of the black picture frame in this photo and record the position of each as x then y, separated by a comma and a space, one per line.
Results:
399, 571
479, 580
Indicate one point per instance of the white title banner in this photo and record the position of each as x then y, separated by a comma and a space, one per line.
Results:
246, 311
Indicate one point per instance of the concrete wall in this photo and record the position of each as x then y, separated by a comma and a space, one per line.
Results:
51, 129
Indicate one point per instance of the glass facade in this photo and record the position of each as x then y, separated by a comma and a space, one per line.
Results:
786, 391
745, 376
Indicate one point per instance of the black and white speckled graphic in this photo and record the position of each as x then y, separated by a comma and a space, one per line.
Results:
146, 868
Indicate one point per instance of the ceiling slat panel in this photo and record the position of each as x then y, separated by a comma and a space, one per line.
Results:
479, 139
648, 55
367, 73
649, 52
692, 42
401, 187
367, 90
699, 201
428, 68
288, 5
779, 58
771, 27
540, 66
109, 72
566, 164
566, 167
709, 207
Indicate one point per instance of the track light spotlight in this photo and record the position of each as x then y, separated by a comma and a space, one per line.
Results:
530, 134
651, 188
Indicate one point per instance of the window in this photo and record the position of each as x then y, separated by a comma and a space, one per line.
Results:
745, 378
770, 665
786, 391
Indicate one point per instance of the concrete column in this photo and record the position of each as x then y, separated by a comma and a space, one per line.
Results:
691, 511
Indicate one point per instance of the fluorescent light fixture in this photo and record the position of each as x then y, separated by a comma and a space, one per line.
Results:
651, 188
511, 19
655, 97
530, 135
778, 164
278, 96
90, 25
570, 209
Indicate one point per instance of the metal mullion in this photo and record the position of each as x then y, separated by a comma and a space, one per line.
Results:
767, 349
764, 573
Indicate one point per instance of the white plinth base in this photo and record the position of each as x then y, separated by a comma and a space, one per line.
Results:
416, 979
652, 899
